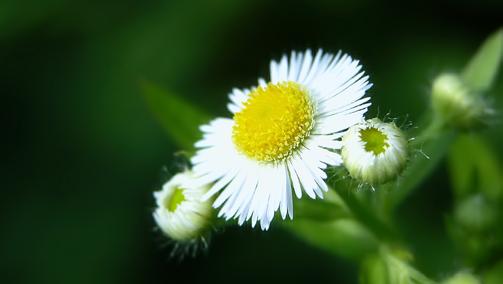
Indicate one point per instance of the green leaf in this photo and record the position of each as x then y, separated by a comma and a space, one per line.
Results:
494, 274
473, 167
476, 182
329, 224
373, 270
328, 209
480, 72
178, 117
343, 237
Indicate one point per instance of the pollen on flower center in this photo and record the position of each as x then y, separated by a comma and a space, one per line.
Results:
274, 122
172, 201
375, 141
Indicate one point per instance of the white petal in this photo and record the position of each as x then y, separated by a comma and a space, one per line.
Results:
274, 72
313, 68
289, 199
247, 192
294, 180
305, 178
283, 69
235, 185
306, 66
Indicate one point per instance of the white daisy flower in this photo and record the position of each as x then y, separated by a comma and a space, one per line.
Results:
374, 151
181, 214
283, 135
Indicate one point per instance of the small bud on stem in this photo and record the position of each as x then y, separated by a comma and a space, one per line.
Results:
374, 151
181, 214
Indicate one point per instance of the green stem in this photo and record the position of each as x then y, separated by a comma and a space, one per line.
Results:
434, 128
430, 146
364, 215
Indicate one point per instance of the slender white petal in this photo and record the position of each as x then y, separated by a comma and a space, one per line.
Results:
294, 180
306, 66
283, 69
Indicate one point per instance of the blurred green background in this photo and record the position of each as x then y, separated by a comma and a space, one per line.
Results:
82, 152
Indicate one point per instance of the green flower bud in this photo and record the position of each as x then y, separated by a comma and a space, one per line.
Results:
454, 103
476, 213
388, 268
462, 278
374, 152
181, 214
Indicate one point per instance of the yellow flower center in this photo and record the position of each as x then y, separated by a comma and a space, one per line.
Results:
375, 141
274, 122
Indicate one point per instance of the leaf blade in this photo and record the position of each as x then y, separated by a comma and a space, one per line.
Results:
480, 72
179, 118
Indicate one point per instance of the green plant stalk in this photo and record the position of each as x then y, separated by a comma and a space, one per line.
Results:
434, 141
332, 226
358, 227
428, 148
364, 214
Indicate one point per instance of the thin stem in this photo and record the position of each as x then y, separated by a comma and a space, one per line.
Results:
434, 128
428, 149
370, 220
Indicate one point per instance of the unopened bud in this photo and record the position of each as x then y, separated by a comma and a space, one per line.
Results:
181, 214
453, 101
476, 213
462, 278
374, 151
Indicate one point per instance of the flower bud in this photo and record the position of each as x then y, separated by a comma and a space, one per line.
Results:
387, 267
181, 214
462, 278
477, 213
374, 152
453, 101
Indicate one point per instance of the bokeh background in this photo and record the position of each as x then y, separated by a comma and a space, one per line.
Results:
82, 153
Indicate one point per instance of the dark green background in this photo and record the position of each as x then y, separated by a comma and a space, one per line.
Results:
82, 154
